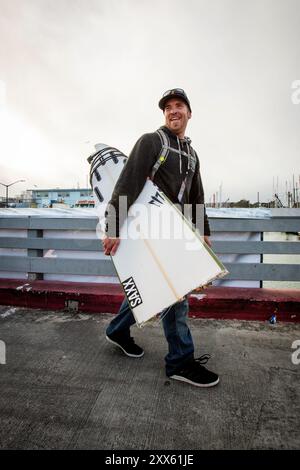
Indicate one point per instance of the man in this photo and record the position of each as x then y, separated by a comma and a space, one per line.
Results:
167, 157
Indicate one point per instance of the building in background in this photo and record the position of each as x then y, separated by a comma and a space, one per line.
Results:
80, 197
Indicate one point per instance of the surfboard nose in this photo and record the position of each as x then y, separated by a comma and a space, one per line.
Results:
100, 146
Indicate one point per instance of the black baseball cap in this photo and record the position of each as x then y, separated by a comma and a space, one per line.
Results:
174, 93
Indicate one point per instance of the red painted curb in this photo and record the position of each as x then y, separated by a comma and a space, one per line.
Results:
216, 302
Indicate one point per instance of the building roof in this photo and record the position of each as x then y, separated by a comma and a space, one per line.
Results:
59, 189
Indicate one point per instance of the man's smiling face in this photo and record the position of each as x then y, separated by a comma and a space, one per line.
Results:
177, 115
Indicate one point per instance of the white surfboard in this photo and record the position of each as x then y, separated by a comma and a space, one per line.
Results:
161, 258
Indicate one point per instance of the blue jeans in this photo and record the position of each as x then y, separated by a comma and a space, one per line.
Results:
177, 332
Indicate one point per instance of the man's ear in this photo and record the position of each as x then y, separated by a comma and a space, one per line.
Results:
189, 114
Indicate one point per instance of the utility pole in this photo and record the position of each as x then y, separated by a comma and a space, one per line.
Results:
7, 186
294, 192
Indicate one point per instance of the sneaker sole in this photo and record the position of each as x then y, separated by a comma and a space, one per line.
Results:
125, 352
183, 379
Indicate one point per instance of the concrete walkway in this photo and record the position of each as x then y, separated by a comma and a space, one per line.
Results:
65, 387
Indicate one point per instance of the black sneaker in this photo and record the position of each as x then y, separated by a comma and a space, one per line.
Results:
128, 346
195, 374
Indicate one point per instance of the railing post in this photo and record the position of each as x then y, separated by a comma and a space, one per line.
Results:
31, 233
261, 258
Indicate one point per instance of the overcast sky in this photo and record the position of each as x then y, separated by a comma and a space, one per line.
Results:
77, 72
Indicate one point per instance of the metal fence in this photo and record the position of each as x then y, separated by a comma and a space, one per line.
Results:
35, 242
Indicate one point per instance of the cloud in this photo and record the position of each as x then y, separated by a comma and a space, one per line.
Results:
94, 70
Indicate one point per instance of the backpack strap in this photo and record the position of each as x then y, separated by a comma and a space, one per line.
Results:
163, 154
189, 174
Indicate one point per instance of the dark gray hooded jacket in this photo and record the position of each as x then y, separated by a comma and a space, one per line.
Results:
181, 163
